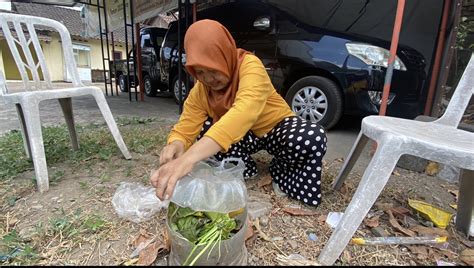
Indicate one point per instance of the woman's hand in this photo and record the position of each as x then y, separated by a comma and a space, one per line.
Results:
171, 151
177, 164
165, 178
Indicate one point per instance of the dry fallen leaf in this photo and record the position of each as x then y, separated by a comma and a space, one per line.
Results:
400, 211
397, 225
265, 180
383, 206
249, 233
372, 222
148, 255
299, 211
143, 236
427, 231
322, 219
467, 256
420, 251
432, 168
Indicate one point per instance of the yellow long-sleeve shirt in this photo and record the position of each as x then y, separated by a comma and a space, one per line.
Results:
257, 107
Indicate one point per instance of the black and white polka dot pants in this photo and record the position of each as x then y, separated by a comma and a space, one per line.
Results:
297, 146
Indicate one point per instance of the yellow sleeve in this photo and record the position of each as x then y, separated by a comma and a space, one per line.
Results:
192, 118
254, 89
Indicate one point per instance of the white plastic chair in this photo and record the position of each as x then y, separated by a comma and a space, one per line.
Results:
27, 101
439, 141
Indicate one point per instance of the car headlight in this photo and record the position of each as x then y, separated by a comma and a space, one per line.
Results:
373, 55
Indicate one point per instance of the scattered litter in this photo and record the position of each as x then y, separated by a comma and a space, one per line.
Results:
313, 237
439, 217
444, 263
334, 218
395, 240
135, 202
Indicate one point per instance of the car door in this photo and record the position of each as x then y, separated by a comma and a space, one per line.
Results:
147, 50
239, 18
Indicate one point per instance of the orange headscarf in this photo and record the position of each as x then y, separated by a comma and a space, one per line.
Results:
209, 44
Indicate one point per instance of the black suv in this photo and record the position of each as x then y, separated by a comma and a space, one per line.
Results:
151, 39
322, 74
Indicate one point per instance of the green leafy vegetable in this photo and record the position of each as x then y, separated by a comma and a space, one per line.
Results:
203, 229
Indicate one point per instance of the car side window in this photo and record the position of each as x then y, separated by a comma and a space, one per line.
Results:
146, 42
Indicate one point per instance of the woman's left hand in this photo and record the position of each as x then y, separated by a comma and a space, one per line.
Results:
166, 177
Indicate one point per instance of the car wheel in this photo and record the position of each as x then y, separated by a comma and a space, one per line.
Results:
176, 88
316, 99
150, 90
123, 83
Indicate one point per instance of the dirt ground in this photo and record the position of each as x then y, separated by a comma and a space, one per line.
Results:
86, 190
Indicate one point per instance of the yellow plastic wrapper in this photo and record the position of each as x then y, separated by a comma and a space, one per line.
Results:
439, 217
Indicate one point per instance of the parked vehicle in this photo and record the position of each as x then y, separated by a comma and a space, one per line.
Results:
151, 39
322, 74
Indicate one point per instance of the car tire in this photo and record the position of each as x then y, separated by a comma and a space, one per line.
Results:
175, 91
123, 83
317, 99
149, 86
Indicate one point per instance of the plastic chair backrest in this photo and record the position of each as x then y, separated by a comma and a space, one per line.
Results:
21, 50
3, 87
461, 97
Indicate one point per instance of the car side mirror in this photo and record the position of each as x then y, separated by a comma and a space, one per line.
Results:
262, 23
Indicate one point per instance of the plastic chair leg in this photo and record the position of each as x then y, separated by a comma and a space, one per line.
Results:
66, 106
465, 213
107, 114
356, 150
33, 126
373, 181
24, 130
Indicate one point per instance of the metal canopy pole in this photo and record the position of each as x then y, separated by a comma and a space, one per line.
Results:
180, 56
139, 61
102, 46
436, 66
133, 50
109, 79
127, 56
448, 51
393, 53
113, 62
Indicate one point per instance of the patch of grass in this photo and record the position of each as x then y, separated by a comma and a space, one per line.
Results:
83, 185
57, 177
105, 177
71, 229
95, 141
14, 250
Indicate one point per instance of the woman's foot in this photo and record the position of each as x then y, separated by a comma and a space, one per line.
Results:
277, 190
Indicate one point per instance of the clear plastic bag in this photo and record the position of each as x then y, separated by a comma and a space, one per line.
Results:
217, 187
213, 186
136, 202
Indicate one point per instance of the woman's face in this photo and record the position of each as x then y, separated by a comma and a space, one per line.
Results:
215, 80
